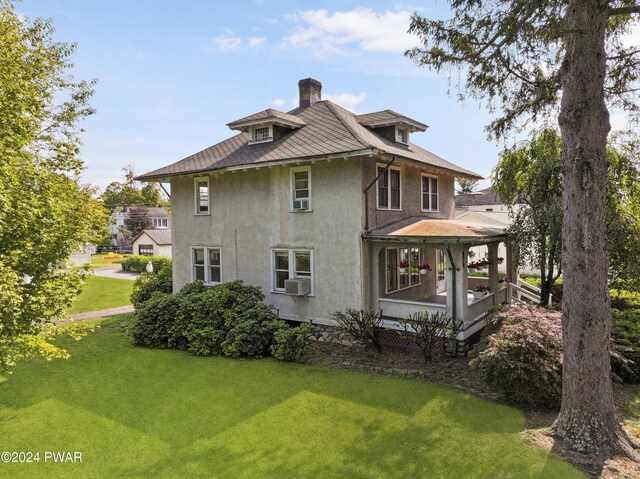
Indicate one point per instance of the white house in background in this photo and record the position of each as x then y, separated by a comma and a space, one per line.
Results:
156, 242
160, 218
485, 207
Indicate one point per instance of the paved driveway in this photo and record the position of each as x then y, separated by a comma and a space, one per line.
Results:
116, 273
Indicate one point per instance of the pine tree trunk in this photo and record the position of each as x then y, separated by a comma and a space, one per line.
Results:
587, 422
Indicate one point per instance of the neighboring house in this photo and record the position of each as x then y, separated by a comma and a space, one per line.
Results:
485, 207
319, 207
160, 218
153, 242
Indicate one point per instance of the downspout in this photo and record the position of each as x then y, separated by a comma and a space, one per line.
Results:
366, 194
454, 307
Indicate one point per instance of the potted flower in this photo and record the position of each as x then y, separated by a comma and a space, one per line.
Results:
472, 254
424, 268
403, 266
472, 267
480, 292
500, 260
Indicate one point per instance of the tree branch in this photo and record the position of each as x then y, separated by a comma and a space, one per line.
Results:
624, 10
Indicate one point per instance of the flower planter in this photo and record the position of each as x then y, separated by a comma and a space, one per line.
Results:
500, 261
479, 294
472, 270
402, 270
424, 271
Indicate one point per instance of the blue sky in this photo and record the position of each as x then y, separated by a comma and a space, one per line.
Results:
171, 75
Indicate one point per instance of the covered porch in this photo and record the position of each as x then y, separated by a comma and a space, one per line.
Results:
446, 287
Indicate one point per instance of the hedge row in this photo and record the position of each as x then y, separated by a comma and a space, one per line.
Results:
229, 319
138, 264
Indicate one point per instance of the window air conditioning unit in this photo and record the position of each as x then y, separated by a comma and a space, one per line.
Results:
300, 204
297, 286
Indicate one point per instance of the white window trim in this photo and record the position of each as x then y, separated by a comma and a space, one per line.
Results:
386, 269
159, 221
292, 172
388, 208
291, 252
195, 195
406, 133
207, 279
437, 209
269, 138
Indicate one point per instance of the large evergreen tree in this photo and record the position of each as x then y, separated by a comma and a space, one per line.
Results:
45, 214
529, 59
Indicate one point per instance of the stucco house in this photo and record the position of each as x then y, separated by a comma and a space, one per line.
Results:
160, 218
326, 209
155, 242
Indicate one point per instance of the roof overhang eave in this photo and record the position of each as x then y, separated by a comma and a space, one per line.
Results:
471, 241
264, 164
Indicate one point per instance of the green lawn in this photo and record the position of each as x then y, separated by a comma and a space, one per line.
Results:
99, 260
102, 293
136, 412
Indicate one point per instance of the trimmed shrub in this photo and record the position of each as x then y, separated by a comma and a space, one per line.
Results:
360, 324
520, 355
251, 335
291, 344
138, 264
153, 321
427, 330
626, 338
148, 283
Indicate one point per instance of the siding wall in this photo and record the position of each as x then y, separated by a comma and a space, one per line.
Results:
251, 209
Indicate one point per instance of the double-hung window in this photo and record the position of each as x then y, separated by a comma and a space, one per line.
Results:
160, 223
206, 264
202, 196
429, 193
388, 188
289, 264
402, 268
301, 189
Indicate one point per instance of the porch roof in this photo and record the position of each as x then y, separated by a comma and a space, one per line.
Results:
437, 231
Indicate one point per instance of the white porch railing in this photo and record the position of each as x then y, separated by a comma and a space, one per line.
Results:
400, 308
479, 307
527, 290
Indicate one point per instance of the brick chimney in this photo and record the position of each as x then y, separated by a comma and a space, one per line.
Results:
310, 91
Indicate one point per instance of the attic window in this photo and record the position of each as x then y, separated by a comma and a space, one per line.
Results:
402, 135
261, 134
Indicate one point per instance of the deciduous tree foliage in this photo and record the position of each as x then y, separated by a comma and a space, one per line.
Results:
130, 192
524, 58
45, 214
466, 187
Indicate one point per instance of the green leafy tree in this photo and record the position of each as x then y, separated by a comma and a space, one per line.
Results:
131, 192
45, 214
528, 180
466, 187
529, 59
137, 221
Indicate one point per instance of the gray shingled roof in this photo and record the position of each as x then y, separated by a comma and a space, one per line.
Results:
269, 114
159, 237
482, 197
329, 130
389, 117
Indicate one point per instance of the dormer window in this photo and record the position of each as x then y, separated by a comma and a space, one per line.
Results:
261, 134
402, 135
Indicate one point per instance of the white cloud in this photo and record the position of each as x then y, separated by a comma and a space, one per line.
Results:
632, 38
227, 43
255, 41
279, 102
363, 28
346, 100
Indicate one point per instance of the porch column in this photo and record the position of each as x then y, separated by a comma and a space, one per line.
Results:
512, 270
492, 256
457, 281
